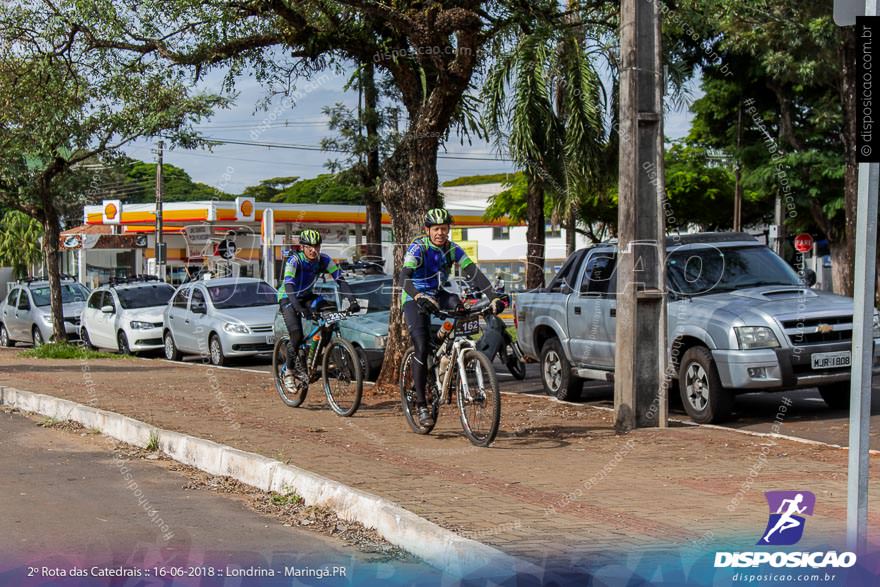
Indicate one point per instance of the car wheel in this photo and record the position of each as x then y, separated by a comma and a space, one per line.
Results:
171, 352
704, 399
836, 395
122, 343
216, 351
84, 337
556, 373
4, 337
38, 337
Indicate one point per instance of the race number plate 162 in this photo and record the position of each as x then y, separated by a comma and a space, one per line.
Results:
831, 360
467, 327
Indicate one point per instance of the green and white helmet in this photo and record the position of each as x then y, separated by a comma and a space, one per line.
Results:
437, 216
310, 237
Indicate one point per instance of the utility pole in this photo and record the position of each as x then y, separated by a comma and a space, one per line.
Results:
865, 269
161, 253
640, 355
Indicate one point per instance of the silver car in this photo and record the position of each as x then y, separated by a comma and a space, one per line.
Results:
26, 315
126, 316
220, 319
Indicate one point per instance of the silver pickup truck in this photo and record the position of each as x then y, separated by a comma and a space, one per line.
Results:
740, 320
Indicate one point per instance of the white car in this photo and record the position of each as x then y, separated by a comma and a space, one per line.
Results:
126, 315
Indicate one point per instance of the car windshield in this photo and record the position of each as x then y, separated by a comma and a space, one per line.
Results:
703, 270
377, 295
146, 296
242, 295
70, 292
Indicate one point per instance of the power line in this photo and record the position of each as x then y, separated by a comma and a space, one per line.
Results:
222, 141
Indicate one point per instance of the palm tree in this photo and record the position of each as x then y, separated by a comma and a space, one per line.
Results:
19, 242
542, 97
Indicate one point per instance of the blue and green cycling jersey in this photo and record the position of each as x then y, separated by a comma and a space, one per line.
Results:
302, 274
431, 264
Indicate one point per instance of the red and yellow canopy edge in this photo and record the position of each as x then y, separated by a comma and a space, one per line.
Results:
301, 216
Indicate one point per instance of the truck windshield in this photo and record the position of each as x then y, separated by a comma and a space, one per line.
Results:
703, 270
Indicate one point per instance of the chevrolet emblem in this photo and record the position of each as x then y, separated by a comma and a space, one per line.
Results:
824, 328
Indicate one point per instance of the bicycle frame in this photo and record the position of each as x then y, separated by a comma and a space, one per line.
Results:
327, 332
456, 357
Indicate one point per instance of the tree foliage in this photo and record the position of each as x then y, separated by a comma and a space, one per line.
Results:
19, 242
327, 188
65, 110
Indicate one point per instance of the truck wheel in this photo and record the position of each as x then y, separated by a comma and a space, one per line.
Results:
556, 372
836, 395
704, 399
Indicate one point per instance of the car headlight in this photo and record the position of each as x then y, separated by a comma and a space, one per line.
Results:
756, 337
47, 319
876, 330
236, 328
380, 341
137, 325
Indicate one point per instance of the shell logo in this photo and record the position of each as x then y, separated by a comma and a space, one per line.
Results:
110, 211
247, 208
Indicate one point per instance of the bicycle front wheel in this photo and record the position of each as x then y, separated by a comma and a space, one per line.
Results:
293, 397
343, 380
480, 402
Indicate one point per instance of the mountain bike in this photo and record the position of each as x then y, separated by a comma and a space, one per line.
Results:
327, 356
455, 367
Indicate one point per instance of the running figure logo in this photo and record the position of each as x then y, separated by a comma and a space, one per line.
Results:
786, 524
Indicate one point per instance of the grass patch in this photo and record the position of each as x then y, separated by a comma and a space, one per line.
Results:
478, 179
286, 499
65, 350
153, 444
48, 423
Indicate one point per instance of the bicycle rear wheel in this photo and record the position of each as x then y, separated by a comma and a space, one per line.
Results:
480, 406
343, 380
408, 396
291, 397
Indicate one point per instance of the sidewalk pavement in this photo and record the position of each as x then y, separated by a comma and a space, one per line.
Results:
557, 486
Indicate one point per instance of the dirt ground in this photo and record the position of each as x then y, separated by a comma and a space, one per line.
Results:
557, 482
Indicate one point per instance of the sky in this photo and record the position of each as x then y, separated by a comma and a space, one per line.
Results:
231, 168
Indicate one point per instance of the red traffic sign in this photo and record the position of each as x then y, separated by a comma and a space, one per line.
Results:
803, 243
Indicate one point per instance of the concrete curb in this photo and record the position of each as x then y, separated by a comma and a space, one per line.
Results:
441, 548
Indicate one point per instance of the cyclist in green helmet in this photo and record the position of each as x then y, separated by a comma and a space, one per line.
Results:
426, 267
296, 298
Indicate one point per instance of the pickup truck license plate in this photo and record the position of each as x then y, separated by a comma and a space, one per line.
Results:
831, 360
270, 339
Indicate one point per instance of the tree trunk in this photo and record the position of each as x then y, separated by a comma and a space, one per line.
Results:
535, 235
51, 234
373, 202
843, 250
407, 191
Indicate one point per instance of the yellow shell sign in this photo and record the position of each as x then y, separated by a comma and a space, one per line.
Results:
111, 211
245, 208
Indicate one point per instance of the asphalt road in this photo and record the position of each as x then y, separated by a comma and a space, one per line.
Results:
67, 501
